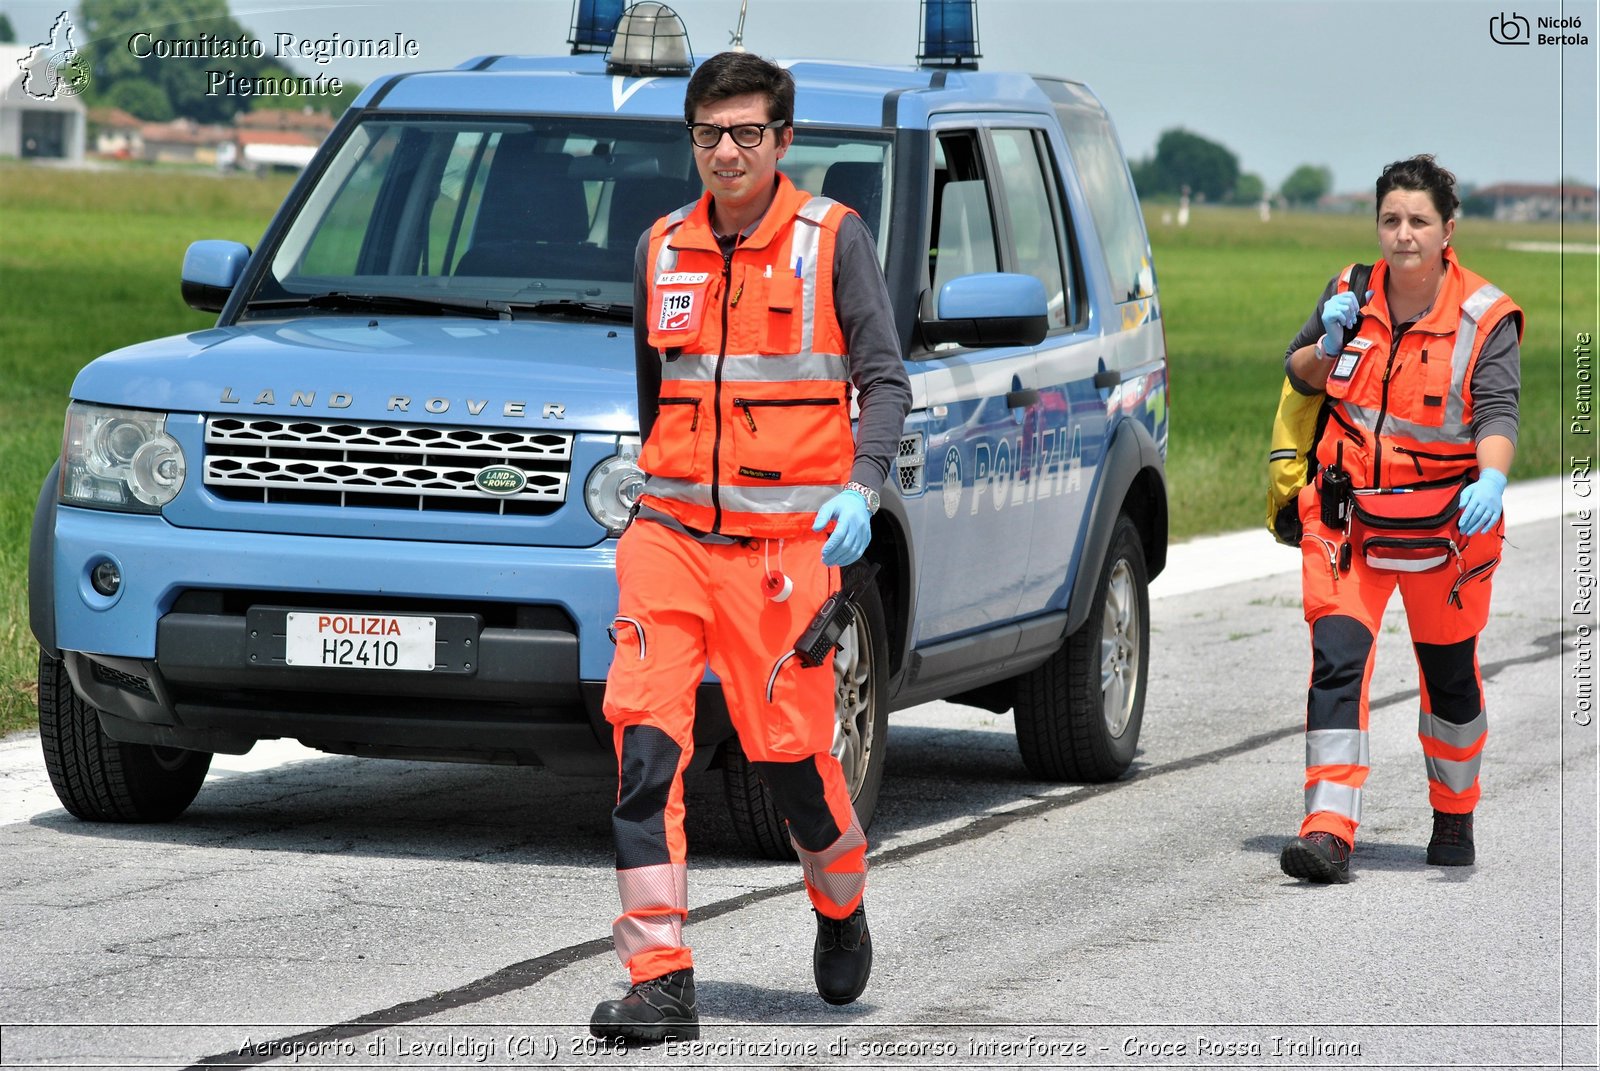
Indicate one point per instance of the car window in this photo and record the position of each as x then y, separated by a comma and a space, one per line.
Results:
1032, 212
848, 169
519, 210
963, 240
1097, 157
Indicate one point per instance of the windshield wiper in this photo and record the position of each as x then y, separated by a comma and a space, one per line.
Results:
613, 310
438, 306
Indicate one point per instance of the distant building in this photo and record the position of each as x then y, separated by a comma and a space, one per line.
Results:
41, 120
183, 141
1521, 202
274, 148
279, 138
116, 134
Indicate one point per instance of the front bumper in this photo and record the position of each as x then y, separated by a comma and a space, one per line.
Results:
168, 659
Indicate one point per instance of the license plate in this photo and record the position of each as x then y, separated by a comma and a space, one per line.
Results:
359, 641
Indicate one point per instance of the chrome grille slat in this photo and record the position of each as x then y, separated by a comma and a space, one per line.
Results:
395, 466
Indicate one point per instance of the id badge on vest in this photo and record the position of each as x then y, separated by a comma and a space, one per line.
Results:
677, 307
1350, 359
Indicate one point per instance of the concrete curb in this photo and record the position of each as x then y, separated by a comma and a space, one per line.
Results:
1213, 561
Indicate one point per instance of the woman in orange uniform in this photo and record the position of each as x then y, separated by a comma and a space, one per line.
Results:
1421, 368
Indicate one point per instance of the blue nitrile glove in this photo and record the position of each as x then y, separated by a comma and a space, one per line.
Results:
1339, 313
1480, 502
852, 528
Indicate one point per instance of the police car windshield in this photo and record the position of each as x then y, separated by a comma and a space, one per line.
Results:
524, 212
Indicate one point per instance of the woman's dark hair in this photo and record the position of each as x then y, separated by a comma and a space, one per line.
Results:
733, 74
1421, 173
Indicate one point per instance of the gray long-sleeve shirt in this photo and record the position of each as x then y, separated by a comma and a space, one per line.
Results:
861, 300
1496, 378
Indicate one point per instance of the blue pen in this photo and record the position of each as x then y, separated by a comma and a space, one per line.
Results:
799, 266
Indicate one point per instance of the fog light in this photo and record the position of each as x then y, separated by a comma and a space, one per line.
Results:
106, 578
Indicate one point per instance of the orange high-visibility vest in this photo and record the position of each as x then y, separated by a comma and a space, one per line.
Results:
1402, 410
752, 432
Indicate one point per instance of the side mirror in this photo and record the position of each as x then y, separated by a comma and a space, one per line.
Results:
210, 270
990, 309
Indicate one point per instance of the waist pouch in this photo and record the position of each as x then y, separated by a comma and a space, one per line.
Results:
1408, 530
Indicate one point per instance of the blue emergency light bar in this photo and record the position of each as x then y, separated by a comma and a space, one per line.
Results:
949, 34
594, 25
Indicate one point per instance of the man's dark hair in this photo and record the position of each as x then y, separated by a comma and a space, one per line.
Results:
1421, 173
733, 74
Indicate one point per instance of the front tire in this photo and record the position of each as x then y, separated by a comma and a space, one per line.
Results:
100, 779
860, 736
1078, 715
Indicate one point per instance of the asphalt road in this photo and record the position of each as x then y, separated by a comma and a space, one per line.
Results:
328, 911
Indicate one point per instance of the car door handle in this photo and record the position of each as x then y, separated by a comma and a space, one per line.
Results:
1021, 399
1107, 379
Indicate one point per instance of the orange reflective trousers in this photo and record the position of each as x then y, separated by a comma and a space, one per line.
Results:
684, 603
1446, 609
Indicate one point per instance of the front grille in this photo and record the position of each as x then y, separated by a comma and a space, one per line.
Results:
912, 464
387, 466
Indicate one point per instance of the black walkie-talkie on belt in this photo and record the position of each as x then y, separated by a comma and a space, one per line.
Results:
822, 635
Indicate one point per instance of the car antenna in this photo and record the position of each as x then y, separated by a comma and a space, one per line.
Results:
736, 39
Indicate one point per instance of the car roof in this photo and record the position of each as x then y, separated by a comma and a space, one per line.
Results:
827, 92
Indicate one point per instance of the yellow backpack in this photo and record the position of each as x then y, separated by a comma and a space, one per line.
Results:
1295, 430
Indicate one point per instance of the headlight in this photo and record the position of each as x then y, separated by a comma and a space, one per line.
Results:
120, 459
614, 486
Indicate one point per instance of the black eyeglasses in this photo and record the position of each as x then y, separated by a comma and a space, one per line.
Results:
745, 135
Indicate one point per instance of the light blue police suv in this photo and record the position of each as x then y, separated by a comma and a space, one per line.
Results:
376, 507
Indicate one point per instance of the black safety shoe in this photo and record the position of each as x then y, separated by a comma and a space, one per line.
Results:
842, 961
653, 1011
1318, 856
1451, 844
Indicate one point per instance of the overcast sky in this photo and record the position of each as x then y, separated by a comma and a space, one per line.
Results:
1351, 85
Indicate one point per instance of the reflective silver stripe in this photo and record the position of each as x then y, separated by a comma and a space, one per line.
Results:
842, 887
1456, 776
772, 678
806, 242
1432, 727
1337, 747
803, 498
757, 368
1376, 559
638, 630
1473, 309
1393, 425
1334, 797
655, 901
632, 935
664, 885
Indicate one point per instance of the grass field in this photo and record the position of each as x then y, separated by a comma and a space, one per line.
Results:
89, 262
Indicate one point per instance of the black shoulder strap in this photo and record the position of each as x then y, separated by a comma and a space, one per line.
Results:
1360, 277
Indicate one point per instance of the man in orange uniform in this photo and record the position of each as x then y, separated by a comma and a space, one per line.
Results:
755, 311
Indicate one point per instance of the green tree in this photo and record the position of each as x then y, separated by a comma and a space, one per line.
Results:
139, 99
1249, 189
108, 26
8, 36
1186, 159
1306, 185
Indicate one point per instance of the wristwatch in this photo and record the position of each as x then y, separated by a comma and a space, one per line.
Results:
865, 492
